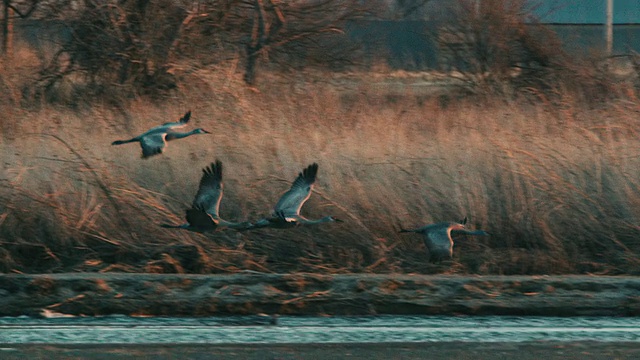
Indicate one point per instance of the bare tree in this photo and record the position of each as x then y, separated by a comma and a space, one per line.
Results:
492, 42
267, 29
137, 43
121, 42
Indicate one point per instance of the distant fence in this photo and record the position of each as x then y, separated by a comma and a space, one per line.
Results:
411, 45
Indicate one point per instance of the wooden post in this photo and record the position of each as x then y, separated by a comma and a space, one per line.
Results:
5, 27
10, 35
609, 28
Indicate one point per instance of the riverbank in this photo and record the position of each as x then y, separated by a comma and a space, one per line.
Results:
93, 294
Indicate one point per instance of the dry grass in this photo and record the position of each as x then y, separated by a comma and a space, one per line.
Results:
557, 183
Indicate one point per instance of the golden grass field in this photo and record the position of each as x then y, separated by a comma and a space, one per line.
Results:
554, 179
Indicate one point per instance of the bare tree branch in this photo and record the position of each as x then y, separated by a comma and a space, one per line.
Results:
22, 14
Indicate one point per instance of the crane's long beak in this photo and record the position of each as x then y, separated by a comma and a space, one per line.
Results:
206, 132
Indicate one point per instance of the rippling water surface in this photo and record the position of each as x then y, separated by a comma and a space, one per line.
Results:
261, 330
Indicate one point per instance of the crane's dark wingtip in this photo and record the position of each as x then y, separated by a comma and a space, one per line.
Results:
214, 170
310, 172
186, 117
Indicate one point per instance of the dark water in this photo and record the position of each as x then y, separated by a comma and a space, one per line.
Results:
308, 330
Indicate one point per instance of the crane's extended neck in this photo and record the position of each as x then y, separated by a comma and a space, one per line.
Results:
179, 135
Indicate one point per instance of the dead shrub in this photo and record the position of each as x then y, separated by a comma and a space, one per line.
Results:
127, 45
554, 182
499, 47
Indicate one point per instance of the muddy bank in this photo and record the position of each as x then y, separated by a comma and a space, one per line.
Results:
314, 294
457, 350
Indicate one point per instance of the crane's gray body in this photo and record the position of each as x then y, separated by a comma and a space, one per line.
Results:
438, 240
154, 141
286, 213
204, 214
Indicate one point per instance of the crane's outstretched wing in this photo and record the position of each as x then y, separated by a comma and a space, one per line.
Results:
178, 124
470, 232
210, 191
291, 202
436, 239
199, 220
152, 144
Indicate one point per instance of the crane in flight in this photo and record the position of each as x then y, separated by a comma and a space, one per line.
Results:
155, 139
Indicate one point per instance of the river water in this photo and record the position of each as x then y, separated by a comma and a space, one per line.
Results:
313, 330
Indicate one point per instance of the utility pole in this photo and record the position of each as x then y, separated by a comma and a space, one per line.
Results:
7, 27
609, 28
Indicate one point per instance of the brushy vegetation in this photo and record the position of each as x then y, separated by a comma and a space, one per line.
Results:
136, 47
555, 180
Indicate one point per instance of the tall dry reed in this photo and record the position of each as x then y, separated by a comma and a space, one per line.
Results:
556, 183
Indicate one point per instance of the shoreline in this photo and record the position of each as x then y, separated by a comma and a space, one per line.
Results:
93, 294
444, 350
